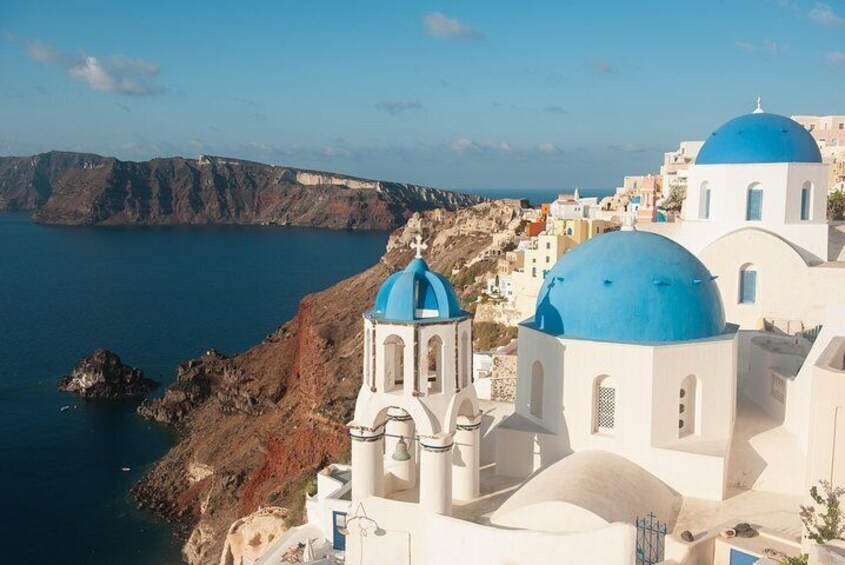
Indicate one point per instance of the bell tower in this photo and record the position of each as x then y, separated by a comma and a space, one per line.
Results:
416, 423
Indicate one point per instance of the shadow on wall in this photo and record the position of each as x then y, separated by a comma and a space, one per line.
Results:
745, 464
836, 241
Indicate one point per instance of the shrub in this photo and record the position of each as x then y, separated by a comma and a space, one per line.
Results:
836, 205
828, 521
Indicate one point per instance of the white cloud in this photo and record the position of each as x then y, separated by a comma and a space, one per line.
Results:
396, 107
836, 58
548, 148
466, 145
442, 27
768, 47
824, 15
117, 73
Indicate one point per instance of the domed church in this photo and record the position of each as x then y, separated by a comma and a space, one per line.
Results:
679, 388
628, 352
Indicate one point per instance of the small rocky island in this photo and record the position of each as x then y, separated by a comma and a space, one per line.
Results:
104, 375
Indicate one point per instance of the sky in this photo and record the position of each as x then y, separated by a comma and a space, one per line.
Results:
454, 94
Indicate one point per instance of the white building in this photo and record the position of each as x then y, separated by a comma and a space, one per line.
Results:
702, 383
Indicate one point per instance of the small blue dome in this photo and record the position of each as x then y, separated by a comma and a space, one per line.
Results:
417, 293
759, 138
633, 287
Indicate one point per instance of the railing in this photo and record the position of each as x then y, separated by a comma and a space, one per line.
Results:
651, 536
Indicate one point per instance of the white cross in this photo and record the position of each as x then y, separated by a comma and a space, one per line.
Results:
419, 246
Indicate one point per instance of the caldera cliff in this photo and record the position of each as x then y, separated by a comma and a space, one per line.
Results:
86, 189
255, 427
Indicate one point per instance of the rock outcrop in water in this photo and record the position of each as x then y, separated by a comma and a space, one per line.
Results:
104, 375
257, 426
86, 189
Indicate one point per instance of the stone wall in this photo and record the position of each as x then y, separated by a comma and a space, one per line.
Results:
503, 379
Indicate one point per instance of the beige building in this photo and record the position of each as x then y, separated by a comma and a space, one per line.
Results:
676, 163
542, 253
829, 133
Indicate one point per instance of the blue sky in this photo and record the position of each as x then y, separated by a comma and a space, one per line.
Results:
460, 94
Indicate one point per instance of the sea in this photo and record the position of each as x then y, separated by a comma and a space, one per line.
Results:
156, 296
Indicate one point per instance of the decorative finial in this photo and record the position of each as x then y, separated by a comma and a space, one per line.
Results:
759, 109
419, 246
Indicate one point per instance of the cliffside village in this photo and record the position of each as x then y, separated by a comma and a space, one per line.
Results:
703, 345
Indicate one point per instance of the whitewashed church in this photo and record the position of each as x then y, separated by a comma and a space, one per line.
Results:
678, 392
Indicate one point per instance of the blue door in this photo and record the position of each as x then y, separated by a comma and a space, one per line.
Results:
338, 522
741, 558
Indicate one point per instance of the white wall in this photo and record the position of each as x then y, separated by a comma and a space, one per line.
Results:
395, 530
781, 184
648, 379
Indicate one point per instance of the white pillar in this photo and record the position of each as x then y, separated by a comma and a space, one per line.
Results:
367, 462
436, 473
466, 458
399, 424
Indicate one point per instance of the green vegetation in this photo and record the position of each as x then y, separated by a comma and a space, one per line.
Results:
489, 335
827, 522
824, 521
296, 508
836, 205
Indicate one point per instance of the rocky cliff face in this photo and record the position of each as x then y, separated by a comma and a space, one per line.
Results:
76, 188
256, 426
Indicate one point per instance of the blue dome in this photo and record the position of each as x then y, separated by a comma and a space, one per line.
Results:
759, 138
630, 286
416, 293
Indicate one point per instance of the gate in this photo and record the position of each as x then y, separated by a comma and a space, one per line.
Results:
651, 535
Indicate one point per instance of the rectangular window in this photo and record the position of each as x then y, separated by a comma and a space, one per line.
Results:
805, 203
534, 272
754, 211
606, 417
548, 245
705, 214
778, 389
748, 287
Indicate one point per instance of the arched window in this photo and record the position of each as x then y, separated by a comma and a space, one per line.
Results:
748, 284
537, 383
754, 203
466, 366
434, 364
806, 200
686, 406
704, 205
394, 362
604, 405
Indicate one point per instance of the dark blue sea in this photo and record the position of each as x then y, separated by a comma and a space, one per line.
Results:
156, 296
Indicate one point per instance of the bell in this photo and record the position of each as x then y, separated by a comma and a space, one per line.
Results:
401, 451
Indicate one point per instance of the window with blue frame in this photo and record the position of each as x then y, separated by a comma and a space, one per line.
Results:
748, 286
754, 207
704, 211
805, 201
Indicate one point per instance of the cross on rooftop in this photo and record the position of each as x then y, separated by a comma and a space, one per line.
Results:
419, 246
759, 109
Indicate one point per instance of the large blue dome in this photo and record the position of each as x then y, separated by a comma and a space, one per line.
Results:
759, 138
630, 286
417, 293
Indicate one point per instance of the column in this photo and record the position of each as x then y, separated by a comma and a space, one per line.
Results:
466, 458
436, 473
399, 424
367, 462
